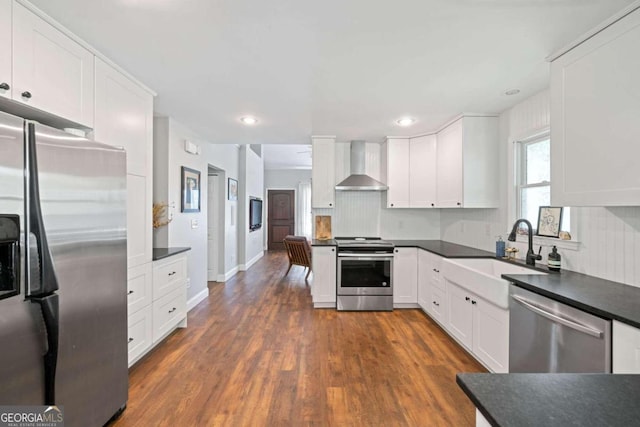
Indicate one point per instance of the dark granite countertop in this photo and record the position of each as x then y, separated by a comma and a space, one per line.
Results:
554, 399
330, 242
160, 253
444, 249
604, 298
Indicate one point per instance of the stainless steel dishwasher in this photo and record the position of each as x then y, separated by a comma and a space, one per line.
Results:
548, 336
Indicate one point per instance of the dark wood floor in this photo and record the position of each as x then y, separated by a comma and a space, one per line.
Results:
257, 354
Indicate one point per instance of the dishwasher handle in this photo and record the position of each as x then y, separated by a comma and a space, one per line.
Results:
555, 318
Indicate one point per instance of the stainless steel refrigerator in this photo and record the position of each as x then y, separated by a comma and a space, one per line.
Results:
63, 272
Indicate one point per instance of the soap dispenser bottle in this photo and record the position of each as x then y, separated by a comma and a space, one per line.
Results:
554, 260
500, 247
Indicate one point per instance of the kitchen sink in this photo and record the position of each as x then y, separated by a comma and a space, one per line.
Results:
482, 276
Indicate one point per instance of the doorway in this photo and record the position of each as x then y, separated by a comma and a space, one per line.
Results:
215, 224
281, 217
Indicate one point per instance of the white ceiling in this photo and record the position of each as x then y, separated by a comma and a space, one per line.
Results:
286, 156
340, 67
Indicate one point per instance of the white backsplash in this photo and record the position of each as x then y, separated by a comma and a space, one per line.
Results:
361, 213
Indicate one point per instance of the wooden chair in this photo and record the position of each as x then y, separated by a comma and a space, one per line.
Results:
299, 252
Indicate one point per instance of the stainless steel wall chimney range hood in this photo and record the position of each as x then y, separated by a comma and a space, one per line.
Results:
358, 180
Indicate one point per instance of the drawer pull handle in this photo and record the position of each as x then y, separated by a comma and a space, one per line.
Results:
130, 340
172, 273
172, 310
26, 94
436, 304
5, 86
129, 293
473, 302
467, 298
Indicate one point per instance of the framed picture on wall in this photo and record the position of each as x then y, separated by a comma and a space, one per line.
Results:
232, 189
190, 190
549, 221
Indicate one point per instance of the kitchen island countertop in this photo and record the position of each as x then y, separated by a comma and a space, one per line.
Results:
552, 400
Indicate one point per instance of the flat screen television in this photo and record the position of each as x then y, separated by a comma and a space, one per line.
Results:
255, 213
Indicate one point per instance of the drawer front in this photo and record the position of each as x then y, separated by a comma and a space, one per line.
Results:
437, 305
140, 333
168, 311
168, 276
139, 287
436, 277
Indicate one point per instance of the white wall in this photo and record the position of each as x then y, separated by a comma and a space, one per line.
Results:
609, 238
286, 178
169, 137
251, 184
227, 158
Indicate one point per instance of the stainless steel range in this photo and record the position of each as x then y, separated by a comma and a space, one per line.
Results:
365, 271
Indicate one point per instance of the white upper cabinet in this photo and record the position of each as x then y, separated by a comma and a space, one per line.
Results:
467, 163
397, 152
51, 72
410, 172
5, 48
124, 117
323, 180
595, 111
422, 171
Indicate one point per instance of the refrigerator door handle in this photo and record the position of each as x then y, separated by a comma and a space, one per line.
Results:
50, 314
45, 281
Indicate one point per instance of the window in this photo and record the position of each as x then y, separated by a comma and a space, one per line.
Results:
534, 179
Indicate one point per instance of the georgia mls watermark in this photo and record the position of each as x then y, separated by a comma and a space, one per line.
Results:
31, 416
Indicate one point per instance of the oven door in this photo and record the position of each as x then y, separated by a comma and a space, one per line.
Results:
365, 274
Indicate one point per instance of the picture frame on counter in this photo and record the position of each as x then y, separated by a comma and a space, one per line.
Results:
190, 185
549, 221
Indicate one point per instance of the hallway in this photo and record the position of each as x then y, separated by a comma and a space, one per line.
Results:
256, 353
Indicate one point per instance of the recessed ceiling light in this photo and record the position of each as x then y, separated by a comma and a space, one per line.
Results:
512, 92
248, 120
405, 121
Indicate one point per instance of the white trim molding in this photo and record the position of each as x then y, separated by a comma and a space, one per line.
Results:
196, 299
245, 267
228, 275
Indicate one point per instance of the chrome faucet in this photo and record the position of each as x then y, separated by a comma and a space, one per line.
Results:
531, 256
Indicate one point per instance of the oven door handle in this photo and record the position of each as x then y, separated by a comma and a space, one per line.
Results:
363, 255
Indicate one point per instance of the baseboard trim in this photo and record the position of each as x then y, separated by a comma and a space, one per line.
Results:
402, 305
195, 300
324, 305
228, 275
245, 267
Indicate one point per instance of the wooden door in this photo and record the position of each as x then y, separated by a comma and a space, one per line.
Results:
281, 216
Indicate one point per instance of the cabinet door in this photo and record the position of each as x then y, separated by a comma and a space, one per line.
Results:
124, 117
323, 285
405, 276
449, 166
460, 314
438, 306
139, 238
51, 72
323, 173
139, 288
422, 172
594, 111
5, 48
491, 335
140, 327
398, 173
626, 349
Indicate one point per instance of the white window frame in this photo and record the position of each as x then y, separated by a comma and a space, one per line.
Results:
521, 170
517, 177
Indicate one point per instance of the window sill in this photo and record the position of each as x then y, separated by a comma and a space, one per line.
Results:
570, 245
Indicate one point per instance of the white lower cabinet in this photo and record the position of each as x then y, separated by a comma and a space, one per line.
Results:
140, 335
156, 302
480, 326
168, 312
625, 349
405, 277
323, 286
437, 306
431, 291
